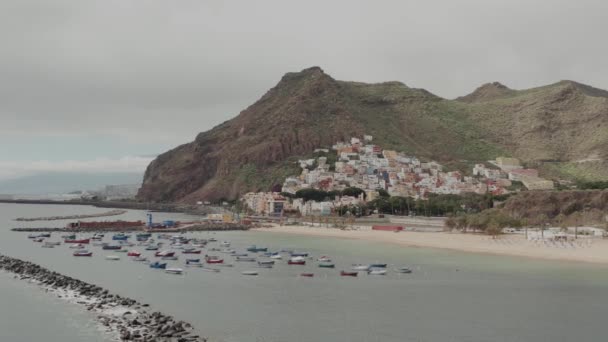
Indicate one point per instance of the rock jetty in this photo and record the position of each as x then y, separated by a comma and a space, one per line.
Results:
72, 217
123, 317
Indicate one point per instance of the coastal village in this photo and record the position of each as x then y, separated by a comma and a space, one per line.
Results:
359, 163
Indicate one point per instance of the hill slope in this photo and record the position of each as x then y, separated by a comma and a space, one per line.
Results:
309, 109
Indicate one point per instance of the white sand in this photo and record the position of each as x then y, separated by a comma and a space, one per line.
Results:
514, 245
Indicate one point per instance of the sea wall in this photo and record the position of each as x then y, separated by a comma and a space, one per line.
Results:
190, 228
123, 317
72, 217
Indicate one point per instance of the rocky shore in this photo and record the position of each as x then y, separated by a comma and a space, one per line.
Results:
122, 317
185, 229
72, 217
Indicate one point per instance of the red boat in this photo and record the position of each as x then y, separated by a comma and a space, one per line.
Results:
296, 262
134, 253
192, 251
348, 274
310, 275
82, 254
214, 260
83, 241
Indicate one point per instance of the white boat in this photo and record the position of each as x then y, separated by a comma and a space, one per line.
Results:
297, 258
140, 259
377, 272
360, 267
174, 270
403, 270
250, 273
225, 244
276, 256
324, 259
209, 269
77, 246
112, 257
177, 246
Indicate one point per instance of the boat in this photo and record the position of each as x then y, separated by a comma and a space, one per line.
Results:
126, 243
121, 251
380, 271
214, 261
324, 259
194, 263
191, 251
48, 246
82, 241
39, 239
239, 254
247, 259
120, 237
193, 260
265, 265
198, 245
172, 257
225, 244
176, 246
348, 274
224, 265
327, 265
112, 257
309, 275
377, 266
403, 270
111, 247
256, 249
78, 246
140, 259
299, 254
158, 265
227, 250
266, 262
33, 236
164, 254
98, 243
44, 235
250, 273
359, 267
276, 256
296, 262
134, 253
151, 248
174, 270
286, 250
82, 253
209, 269
97, 237
298, 258
69, 237
212, 239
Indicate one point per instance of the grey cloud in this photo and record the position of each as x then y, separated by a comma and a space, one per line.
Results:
152, 69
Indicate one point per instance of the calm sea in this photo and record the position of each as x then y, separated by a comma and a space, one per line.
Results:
450, 296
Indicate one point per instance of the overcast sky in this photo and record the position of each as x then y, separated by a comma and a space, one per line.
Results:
89, 81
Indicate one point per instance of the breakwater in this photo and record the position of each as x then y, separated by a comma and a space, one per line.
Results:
190, 228
123, 317
72, 217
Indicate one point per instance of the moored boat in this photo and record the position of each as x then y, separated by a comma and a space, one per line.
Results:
78, 246
191, 251
327, 265
324, 259
266, 262
81, 241
164, 254
276, 256
82, 253
256, 249
172, 257
348, 274
174, 270
158, 265
134, 254
111, 247
403, 270
378, 271
377, 265
309, 275
225, 244
246, 259
296, 262
359, 267
151, 248
239, 254
250, 273
140, 259
299, 254
112, 257
265, 266
214, 261
209, 269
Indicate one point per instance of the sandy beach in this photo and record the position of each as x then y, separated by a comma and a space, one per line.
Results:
595, 251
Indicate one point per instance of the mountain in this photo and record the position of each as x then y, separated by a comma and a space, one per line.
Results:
561, 125
64, 182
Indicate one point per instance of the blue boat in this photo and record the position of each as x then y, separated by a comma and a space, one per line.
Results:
255, 249
111, 247
297, 254
120, 237
377, 266
157, 264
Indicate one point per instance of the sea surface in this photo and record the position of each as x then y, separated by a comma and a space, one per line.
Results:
450, 296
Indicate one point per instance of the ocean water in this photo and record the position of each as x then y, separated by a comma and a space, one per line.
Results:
450, 296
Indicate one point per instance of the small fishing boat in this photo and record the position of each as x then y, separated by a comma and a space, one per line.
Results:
265, 266
193, 260
174, 270
134, 254
82, 241
227, 250
239, 254
140, 259
309, 275
52, 243
256, 249
82, 253
164, 254
286, 250
98, 243
111, 247
377, 271
120, 236
152, 248
225, 244
209, 269
296, 262
298, 258
359, 267
224, 265
44, 235
112, 257
78, 246
198, 245
324, 259
299, 254
191, 263
172, 257
348, 274
48, 246
327, 265
377, 266
250, 273
121, 251
191, 251
125, 243
246, 259
214, 261
212, 239
33, 236
68, 237
39, 239
158, 265
266, 262
97, 237
403, 270
276, 256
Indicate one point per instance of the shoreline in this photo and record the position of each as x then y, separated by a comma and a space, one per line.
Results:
123, 318
506, 245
